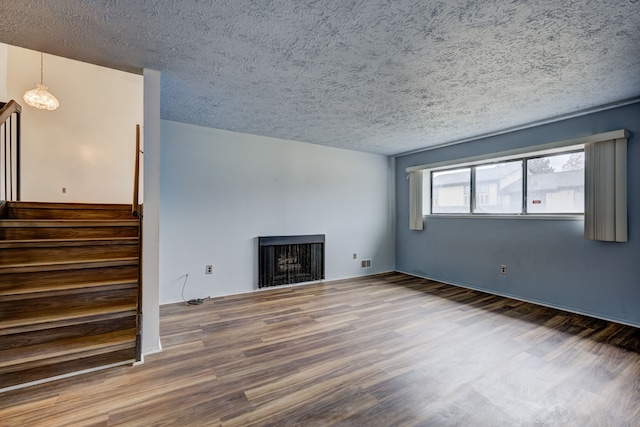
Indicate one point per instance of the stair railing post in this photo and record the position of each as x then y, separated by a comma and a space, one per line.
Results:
136, 174
18, 149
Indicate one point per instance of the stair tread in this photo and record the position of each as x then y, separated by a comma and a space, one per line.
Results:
84, 241
36, 318
37, 291
61, 323
11, 222
67, 348
60, 369
67, 265
69, 205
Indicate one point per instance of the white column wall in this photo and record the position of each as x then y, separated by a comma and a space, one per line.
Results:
151, 226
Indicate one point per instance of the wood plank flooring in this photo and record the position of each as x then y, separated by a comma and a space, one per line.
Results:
385, 350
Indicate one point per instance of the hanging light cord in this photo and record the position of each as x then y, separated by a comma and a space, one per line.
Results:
41, 68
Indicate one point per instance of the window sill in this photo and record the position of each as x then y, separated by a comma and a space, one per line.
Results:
543, 217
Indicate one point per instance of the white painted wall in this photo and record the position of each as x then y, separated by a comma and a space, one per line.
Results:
87, 145
150, 224
220, 190
4, 49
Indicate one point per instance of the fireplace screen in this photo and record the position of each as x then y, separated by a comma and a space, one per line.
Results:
285, 260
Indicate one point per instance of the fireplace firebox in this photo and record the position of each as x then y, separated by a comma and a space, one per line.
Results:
284, 260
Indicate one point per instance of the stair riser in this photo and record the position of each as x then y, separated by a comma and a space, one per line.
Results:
22, 375
25, 255
63, 350
31, 233
52, 213
64, 303
18, 282
28, 339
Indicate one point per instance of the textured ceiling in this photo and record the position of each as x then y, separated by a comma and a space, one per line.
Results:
370, 75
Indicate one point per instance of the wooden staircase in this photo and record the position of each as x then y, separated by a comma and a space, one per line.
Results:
69, 289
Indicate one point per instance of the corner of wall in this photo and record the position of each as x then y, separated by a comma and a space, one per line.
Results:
151, 223
3, 72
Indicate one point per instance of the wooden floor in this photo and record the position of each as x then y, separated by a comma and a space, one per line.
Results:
387, 350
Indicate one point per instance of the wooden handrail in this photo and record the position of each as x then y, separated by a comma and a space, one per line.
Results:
136, 210
8, 109
136, 175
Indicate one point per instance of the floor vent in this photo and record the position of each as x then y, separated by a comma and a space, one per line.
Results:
365, 263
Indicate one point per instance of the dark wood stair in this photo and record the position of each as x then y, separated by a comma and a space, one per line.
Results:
69, 289
29, 229
35, 210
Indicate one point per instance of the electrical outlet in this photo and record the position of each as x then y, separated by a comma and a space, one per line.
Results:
208, 269
64, 190
355, 255
503, 269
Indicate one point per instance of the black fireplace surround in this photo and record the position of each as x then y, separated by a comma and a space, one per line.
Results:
283, 260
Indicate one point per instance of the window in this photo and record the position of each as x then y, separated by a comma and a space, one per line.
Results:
499, 188
586, 175
450, 191
553, 184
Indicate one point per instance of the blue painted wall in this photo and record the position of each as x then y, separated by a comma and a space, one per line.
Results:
548, 261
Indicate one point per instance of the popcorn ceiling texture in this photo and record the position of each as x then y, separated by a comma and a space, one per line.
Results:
370, 75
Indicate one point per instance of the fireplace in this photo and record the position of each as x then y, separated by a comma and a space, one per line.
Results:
283, 260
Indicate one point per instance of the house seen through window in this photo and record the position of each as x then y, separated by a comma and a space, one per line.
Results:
550, 184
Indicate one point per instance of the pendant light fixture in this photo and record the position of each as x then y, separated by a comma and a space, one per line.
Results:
40, 97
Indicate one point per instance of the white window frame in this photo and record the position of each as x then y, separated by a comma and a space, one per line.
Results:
472, 198
568, 145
